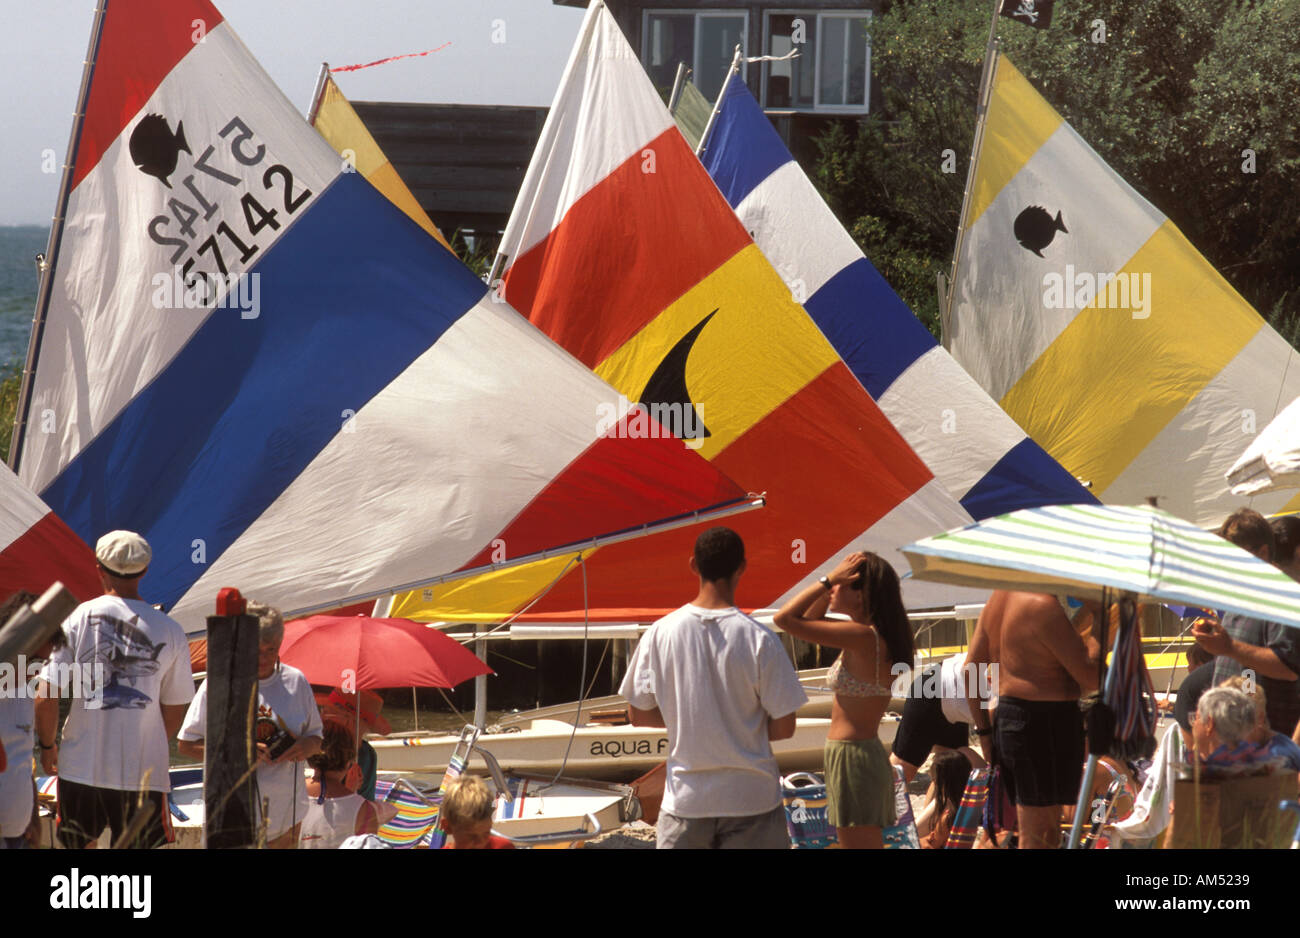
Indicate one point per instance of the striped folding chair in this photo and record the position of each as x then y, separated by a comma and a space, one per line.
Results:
970, 812
416, 817
416, 822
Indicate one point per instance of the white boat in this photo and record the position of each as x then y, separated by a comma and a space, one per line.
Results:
538, 810
591, 750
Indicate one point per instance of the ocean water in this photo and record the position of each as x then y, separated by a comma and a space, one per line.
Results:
19, 245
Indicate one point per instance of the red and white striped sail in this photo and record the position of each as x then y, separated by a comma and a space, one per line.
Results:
37, 548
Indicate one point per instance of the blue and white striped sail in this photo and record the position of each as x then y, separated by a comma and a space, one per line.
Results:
970, 444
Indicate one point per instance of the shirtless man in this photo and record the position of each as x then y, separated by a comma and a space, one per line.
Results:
1037, 739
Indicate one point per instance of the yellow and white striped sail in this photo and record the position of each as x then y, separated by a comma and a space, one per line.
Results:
1105, 334
337, 121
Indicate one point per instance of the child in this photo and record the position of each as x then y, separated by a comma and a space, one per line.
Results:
950, 771
337, 811
467, 816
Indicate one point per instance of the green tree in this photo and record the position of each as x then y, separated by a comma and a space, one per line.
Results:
1171, 99
10, 384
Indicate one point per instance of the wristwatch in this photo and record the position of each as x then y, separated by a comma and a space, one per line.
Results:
825, 581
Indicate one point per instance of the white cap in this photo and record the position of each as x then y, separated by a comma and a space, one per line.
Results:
123, 553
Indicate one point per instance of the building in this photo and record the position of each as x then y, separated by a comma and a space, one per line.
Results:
830, 79
465, 163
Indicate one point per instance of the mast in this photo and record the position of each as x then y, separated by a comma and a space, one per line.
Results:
321, 79
982, 111
717, 105
678, 82
56, 237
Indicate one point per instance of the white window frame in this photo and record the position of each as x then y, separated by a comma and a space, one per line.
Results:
816, 16
713, 13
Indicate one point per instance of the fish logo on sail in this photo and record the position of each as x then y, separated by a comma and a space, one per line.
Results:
155, 149
1035, 228
666, 391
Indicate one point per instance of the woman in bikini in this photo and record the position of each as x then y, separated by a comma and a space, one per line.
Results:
859, 780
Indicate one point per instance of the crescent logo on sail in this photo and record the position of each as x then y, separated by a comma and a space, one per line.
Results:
666, 391
155, 149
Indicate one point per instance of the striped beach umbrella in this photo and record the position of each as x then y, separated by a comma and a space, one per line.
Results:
1079, 550
1083, 550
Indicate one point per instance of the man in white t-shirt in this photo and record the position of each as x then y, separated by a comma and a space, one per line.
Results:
724, 688
126, 667
285, 703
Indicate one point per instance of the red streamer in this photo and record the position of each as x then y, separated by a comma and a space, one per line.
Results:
392, 58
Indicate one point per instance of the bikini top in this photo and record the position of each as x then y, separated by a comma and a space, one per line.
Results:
842, 682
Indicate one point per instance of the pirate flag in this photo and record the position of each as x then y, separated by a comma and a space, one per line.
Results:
1036, 13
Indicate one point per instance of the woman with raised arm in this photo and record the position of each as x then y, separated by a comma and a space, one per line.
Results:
877, 636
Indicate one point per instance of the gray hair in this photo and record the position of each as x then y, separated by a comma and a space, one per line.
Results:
270, 624
1232, 712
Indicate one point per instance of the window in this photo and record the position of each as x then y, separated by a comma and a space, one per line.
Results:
832, 72
705, 41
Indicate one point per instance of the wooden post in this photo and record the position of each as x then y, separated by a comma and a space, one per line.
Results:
230, 792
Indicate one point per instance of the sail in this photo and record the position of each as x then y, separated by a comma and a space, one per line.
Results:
621, 249
257, 361
691, 112
979, 453
334, 118
37, 548
1099, 328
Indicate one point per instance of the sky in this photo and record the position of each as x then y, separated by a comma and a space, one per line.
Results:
43, 46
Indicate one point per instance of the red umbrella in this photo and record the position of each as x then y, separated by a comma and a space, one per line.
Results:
366, 652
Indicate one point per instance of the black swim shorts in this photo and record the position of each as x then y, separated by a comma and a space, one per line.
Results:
84, 812
923, 725
1040, 749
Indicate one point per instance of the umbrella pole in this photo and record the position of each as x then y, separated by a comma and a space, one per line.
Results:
415, 709
1090, 771
480, 689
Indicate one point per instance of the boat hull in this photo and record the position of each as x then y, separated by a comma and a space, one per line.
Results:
606, 752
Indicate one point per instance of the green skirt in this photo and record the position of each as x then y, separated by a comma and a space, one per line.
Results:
859, 784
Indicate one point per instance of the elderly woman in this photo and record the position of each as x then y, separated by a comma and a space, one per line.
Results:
284, 703
876, 637
1222, 727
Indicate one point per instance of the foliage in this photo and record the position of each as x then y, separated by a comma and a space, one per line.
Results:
10, 384
1171, 99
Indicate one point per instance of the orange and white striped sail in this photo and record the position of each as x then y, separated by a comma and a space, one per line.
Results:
1099, 328
622, 250
337, 121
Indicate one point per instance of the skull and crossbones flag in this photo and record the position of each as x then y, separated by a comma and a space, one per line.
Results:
1036, 13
